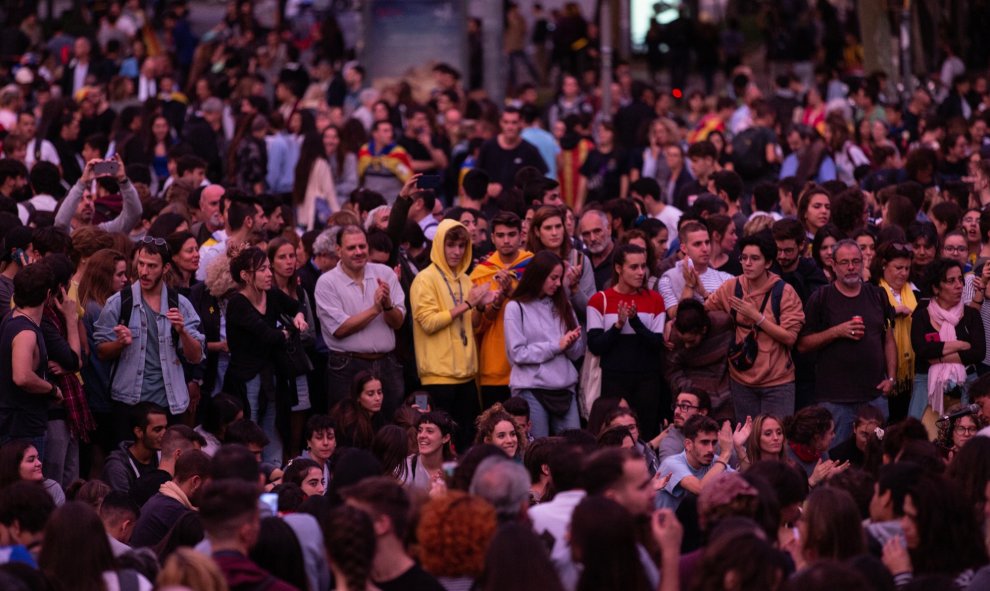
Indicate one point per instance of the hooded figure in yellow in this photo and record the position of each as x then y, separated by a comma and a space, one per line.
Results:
443, 302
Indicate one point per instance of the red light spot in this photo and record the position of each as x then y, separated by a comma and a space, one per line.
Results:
677, 93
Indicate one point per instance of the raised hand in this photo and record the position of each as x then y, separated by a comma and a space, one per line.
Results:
742, 432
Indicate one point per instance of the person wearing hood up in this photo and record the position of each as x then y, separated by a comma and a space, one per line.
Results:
443, 301
760, 300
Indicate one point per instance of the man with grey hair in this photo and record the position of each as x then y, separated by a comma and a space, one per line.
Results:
325, 249
504, 484
849, 324
596, 233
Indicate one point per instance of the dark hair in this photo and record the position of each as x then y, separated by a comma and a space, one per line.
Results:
623, 252
246, 432
234, 461
530, 287
442, 421
704, 399
32, 284
808, 423
191, 463
391, 447
647, 187
316, 424
220, 412
27, 503
518, 559
762, 241
603, 539
947, 212
789, 229
847, 210
542, 214
475, 183
538, 455
614, 437
517, 407
970, 469
117, 503
226, 504
834, 525
278, 551
790, 484
565, 463
354, 423
897, 478
692, 317
350, 540
138, 415
698, 424
507, 219
238, 212
249, 260
604, 468
827, 575
76, 548
730, 182
938, 270
384, 496
742, 551
949, 539
827, 231
312, 149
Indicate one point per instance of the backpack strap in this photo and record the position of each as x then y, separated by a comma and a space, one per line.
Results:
777, 294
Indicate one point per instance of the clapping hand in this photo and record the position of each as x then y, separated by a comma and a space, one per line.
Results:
742, 432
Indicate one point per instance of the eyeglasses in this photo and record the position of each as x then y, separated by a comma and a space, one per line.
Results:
159, 242
954, 248
964, 430
849, 262
683, 406
902, 247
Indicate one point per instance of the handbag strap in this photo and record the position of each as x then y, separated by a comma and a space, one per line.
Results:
763, 306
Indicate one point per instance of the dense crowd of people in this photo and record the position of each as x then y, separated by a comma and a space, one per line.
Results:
270, 324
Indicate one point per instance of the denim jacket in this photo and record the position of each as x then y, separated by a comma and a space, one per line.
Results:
127, 381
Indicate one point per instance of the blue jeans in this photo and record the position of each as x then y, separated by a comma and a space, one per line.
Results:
919, 395
273, 451
541, 422
843, 416
751, 401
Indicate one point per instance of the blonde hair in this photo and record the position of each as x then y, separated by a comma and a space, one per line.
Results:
188, 568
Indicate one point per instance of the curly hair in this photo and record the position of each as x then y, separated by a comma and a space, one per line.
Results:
489, 419
350, 540
454, 532
807, 424
946, 428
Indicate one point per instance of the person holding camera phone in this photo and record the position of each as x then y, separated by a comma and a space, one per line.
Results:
78, 207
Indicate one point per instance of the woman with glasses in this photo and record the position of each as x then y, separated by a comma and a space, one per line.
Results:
955, 432
766, 308
891, 271
948, 340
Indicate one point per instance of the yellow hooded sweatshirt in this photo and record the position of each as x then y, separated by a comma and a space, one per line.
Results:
442, 355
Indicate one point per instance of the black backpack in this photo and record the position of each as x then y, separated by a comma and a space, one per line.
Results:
749, 153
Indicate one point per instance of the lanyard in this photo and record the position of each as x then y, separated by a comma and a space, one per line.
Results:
460, 291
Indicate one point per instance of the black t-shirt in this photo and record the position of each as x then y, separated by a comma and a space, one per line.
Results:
502, 165
414, 579
417, 151
23, 415
848, 371
604, 172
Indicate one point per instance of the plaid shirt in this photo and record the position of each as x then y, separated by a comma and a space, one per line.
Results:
79, 419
